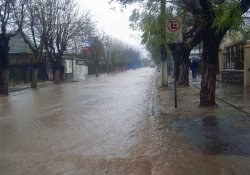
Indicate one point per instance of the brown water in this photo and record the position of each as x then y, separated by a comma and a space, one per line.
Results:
100, 126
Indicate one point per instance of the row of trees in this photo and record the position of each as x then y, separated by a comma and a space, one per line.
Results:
50, 26
53, 28
205, 21
114, 53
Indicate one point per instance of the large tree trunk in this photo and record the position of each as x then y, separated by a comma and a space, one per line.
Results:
183, 80
34, 73
181, 54
210, 53
4, 81
208, 85
56, 72
4, 63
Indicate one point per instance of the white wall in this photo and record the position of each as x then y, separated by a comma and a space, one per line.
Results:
80, 72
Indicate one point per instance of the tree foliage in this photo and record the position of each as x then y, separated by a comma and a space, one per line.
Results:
228, 15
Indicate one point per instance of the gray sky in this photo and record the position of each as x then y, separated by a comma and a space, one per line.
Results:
112, 20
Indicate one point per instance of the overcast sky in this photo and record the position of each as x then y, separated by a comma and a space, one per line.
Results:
112, 20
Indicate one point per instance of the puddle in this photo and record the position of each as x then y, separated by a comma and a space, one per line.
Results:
227, 135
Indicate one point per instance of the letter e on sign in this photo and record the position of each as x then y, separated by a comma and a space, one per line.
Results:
173, 25
174, 30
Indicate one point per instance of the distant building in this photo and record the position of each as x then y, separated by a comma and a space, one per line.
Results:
75, 69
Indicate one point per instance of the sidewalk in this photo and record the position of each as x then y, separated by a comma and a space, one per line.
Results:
14, 89
202, 140
24, 86
236, 96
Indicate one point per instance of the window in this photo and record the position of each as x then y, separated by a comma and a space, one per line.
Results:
235, 57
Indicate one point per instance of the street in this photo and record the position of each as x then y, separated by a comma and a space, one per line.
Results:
88, 127
102, 126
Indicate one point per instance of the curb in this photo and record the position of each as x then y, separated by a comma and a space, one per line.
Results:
152, 97
19, 89
13, 90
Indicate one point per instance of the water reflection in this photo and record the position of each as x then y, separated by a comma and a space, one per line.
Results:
211, 133
227, 135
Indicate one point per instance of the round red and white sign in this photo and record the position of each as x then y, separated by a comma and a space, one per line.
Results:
173, 25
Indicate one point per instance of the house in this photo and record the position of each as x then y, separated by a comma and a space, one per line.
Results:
19, 53
20, 59
234, 58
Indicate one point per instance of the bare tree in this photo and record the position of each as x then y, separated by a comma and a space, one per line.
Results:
6, 7
96, 53
36, 26
66, 24
107, 53
120, 55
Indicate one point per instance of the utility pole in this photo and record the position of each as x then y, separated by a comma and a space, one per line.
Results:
162, 23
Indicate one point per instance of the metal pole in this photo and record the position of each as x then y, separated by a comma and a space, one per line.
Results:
175, 81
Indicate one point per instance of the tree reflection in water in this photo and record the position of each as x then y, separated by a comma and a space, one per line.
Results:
212, 135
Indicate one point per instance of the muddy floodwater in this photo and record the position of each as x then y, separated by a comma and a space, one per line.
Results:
87, 127
101, 126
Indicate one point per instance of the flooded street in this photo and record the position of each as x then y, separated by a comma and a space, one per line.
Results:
87, 127
101, 126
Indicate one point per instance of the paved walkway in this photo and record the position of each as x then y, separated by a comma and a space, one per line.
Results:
18, 88
236, 96
23, 86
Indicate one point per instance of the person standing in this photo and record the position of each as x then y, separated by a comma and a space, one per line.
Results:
194, 67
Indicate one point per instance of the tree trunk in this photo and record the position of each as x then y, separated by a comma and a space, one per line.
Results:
176, 53
4, 63
34, 73
57, 70
57, 76
181, 54
210, 56
183, 79
4, 81
62, 72
208, 84
96, 70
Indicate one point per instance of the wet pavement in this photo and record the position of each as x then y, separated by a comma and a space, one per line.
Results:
101, 126
226, 135
87, 127
211, 140
235, 95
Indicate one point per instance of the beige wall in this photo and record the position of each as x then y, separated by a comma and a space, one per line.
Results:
222, 60
247, 64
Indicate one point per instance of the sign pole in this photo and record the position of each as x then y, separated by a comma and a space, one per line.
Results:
174, 30
175, 81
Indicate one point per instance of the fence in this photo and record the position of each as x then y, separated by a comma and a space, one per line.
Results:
235, 57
